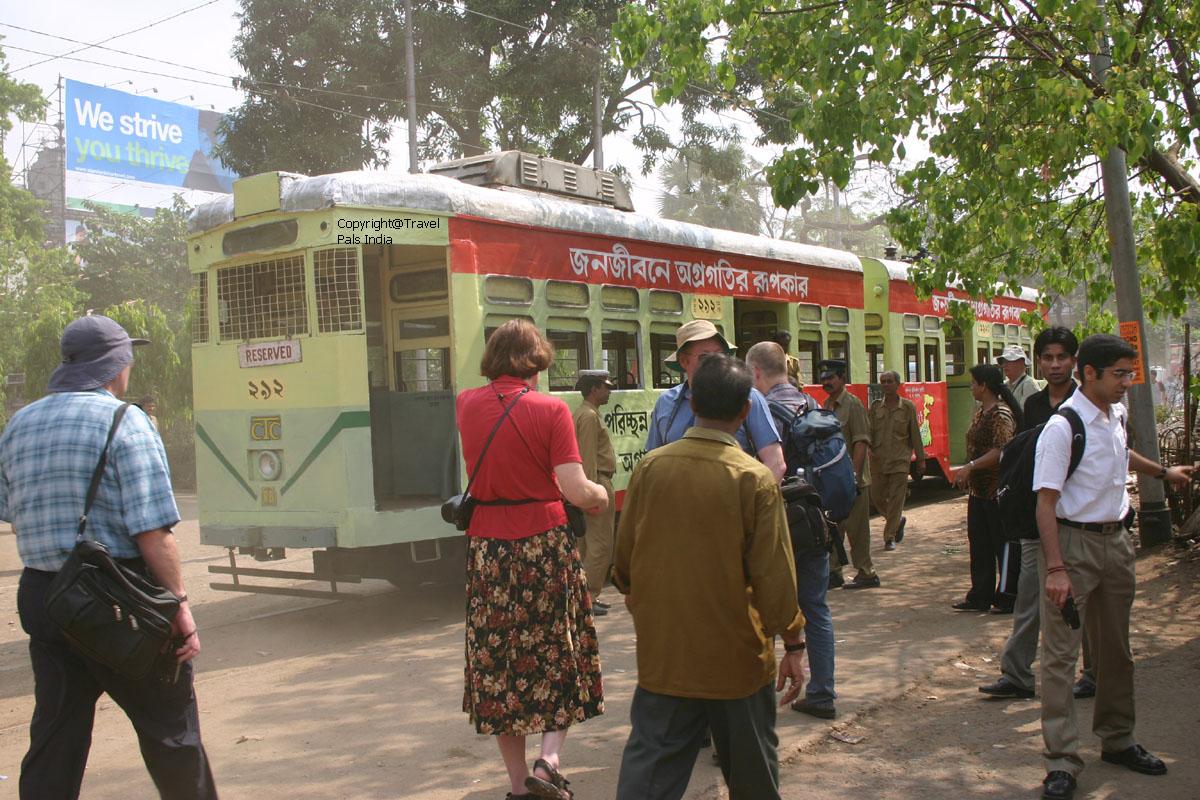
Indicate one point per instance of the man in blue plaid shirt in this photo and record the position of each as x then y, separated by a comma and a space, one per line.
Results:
47, 454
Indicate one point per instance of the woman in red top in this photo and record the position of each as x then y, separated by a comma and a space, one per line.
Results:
533, 663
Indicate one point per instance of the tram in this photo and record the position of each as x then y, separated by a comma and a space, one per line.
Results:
338, 316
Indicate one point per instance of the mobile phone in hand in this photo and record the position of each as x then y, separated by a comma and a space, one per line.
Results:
1070, 613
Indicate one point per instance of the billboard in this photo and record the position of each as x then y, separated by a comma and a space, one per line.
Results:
142, 139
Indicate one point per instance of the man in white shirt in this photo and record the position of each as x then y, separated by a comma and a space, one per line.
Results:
1087, 563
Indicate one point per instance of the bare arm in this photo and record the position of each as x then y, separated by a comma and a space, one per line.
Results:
578, 489
1058, 583
162, 557
772, 456
1179, 476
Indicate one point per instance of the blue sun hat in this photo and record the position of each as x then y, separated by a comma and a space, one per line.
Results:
94, 351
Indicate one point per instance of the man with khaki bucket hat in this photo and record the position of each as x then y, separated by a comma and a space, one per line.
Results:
673, 412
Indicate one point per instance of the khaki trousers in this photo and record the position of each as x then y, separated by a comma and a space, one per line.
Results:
889, 491
596, 549
856, 528
1101, 569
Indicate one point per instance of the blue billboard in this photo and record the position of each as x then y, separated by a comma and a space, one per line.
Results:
138, 138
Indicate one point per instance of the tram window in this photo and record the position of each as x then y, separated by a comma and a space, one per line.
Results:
931, 324
1013, 331
200, 314
661, 346
997, 331
421, 285
619, 298
933, 361
567, 293
620, 356
263, 300
570, 356
873, 322
981, 353
997, 351
503, 289
912, 367
260, 237
335, 276
912, 322
839, 348
874, 361
423, 328
838, 316
807, 312
423, 370
808, 351
755, 327
664, 302
956, 355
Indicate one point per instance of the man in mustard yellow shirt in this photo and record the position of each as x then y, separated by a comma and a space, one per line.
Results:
705, 561
599, 465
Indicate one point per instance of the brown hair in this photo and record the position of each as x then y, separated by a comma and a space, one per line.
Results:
768, 357
516, 348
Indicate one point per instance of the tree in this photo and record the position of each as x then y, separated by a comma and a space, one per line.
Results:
325, 80
1001, 94
718, 187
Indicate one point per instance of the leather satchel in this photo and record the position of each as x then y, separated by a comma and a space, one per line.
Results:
107, 611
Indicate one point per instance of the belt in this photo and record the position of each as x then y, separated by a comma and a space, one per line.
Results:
1094, 527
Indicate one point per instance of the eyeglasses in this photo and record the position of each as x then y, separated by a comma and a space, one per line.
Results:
1122, 374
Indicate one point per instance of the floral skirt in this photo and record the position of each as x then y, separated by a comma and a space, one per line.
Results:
533, 662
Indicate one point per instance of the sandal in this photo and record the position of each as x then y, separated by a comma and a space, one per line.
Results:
554, 789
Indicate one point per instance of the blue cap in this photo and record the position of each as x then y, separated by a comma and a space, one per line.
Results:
94, 351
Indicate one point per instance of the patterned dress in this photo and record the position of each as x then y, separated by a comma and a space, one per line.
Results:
532, 659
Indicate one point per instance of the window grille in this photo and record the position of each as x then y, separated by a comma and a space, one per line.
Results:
335, 273
263, 300
200, 313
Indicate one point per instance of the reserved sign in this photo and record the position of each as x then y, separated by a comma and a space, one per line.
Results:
264, 354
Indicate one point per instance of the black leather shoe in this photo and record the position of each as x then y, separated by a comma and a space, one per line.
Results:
860, 582
601, 604
966, 605
1084, 689
1002, 609
820, 712
900, 530
835, 580
597, 611
1004, 689
1058, 785
1137, 759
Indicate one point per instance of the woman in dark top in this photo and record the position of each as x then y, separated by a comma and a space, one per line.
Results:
995, 422
533, 665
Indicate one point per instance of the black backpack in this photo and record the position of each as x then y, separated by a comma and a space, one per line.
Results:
1014, 492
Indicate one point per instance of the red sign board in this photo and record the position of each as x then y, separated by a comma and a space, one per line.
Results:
489, 247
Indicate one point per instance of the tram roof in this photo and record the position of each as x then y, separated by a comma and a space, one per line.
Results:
441, 194
900, 270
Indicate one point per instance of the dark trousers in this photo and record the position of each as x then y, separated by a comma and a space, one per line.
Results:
66, 688
662, 747
990, 554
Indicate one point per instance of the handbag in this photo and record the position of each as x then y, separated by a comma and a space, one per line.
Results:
576, 519
459, 509
107, 611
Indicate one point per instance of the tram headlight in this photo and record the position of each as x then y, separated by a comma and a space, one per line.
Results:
269, 464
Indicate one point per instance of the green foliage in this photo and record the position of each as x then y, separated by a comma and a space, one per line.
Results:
1002, 95
719, 187
505, 74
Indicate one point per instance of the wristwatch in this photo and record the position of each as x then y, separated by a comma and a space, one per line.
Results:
1162, 474
794, 648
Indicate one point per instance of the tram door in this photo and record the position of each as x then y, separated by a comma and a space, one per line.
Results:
757, 321
413, 434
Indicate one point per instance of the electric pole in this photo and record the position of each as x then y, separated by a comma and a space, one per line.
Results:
411, 100
597, 122
1154, 516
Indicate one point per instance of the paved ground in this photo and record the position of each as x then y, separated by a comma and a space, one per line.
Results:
360, 699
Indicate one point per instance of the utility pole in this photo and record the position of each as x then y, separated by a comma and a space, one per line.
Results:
411, 100
597, 122
61, 233
1154, 516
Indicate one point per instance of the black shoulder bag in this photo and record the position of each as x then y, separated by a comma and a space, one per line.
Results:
459, 509
107, 611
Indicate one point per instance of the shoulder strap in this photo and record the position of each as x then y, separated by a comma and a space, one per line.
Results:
1078, 438
674, 412
98, 472
492, 435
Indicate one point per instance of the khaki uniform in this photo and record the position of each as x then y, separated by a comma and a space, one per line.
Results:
599, 465
895, 436
856, 527
793, 370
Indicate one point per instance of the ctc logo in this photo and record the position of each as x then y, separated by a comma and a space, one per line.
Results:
266, 429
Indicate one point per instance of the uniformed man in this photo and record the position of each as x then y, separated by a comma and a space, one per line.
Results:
599, 464
856, 527
1014, 363
784, 340
895, 438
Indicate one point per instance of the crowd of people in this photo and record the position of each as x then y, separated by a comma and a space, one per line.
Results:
706, 555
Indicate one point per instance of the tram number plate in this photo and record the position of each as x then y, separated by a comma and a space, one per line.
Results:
262, 390
707, 307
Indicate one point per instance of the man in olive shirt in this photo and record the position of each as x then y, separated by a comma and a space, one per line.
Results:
705, 561
599, 465
895, 437
856, 429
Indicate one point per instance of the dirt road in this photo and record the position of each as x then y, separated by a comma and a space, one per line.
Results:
361, 698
